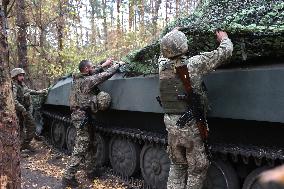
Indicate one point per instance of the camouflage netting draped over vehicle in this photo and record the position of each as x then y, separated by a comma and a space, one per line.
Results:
256, 28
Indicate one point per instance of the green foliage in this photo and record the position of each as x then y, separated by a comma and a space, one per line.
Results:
146, 55
59, 63
256, 28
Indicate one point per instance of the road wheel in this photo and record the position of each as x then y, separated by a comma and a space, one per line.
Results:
155, 166
251, 179
58, 134
70, 138
124, 156
100, 149
221, 175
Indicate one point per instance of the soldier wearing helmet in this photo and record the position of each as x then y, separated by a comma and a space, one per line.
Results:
85, 95
184, 103
22, 98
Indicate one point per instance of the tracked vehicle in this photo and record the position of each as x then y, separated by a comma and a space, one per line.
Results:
246, 123
245, 119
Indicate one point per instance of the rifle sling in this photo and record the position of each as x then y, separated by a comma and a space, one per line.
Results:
193, 101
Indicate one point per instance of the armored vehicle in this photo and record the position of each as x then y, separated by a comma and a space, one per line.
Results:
246, 124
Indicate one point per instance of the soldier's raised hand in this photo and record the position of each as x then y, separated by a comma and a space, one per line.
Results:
43, 91
221, 35
107, 62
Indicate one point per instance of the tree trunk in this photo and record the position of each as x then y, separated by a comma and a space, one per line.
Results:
167, 6
122, 22
111, 16
187, 6
135, 16
61, 23
21, 23
131, 14
105, 23
177, 8
118, 16
93, 22
10, 176
42, 43
62, 4
142, 13
118, 21
76, 21
155, 16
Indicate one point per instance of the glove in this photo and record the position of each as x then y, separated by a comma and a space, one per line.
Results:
43, 91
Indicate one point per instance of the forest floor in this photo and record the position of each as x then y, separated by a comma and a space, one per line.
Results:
43, 169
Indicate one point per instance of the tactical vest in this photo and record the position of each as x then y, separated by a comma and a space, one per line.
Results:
20, 93
171, 87
79, 98
22, 97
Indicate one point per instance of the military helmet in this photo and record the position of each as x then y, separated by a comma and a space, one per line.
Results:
103, 100
173, 44
17, 71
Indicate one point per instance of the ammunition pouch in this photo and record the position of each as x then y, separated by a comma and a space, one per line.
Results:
84, 101
101, 102
171, 90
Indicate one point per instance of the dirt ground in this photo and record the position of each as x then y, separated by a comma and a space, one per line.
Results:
43, 169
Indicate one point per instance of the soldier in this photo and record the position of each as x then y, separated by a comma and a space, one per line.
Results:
22, 97
181, 91
84, 90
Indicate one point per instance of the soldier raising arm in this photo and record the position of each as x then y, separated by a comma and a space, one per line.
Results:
92, 81
207, 62
189, 162
84, 89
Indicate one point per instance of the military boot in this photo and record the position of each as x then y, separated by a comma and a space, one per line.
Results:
95, 173
27, 147
73, 183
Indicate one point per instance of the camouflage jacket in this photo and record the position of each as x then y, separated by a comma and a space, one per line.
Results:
84, 87
21, 95
201, 64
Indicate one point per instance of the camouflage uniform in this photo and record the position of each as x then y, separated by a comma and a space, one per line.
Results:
83, 88
22, 97
185, 146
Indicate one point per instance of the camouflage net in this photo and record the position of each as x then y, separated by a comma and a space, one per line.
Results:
256, 28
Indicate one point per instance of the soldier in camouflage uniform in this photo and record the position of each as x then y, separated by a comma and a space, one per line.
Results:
84, 91
22, 97
189, 161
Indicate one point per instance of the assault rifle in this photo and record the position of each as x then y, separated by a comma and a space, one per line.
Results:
84, 122
193, 100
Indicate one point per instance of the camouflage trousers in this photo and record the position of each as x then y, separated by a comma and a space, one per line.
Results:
189, 161
27, 128
81, 152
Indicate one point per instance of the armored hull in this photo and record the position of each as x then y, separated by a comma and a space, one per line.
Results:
245, 121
